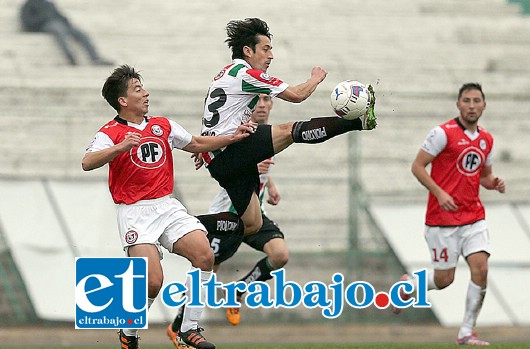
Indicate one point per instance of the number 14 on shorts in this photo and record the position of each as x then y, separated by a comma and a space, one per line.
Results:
440, 255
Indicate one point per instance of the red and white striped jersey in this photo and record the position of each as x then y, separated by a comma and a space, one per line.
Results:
232, 97
460, 157
146, 171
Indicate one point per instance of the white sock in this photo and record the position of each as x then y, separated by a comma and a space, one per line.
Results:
474, 299
192, 315
430, 281
132, 331
431, 285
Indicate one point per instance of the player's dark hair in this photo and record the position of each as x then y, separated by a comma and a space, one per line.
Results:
243, 33
471, 86
116, 84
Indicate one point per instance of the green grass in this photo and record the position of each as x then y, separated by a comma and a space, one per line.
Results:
304, 346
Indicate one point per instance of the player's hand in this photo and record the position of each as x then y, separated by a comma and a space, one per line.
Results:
131, 140
244, 130
499, 185
274, 195
263, 167
446, 202
198, 160
319, 74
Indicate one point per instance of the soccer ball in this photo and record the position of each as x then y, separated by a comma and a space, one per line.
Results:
350, 99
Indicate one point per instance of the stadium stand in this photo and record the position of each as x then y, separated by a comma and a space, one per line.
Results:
416, 53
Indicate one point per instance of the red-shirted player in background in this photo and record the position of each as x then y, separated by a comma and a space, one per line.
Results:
461, 156
138, 151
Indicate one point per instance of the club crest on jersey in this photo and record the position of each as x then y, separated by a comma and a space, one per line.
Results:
149, 154
482, 144
470, 161
247, 113
265, 76
157, 130
220, 74
131, 236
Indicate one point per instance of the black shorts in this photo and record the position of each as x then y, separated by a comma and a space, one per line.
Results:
224, 246
236, 167
269, 230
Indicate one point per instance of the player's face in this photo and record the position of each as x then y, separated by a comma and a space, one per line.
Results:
137, 99
262, 57
263, 108
471, 105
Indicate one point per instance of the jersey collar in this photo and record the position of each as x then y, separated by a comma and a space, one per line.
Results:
241, 61
124, 122
457, 120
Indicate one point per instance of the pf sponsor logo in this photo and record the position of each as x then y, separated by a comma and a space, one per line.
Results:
110, 293
149, 154
470, 161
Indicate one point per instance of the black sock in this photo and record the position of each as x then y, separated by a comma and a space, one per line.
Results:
318, 130
222, 223
175, 325
260, 272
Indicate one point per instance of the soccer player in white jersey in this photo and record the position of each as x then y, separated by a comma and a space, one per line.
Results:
460, 153
230, 101
269, 238
138, 150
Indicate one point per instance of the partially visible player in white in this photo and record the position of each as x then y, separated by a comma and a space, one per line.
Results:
138, 150
269, 238
460, 153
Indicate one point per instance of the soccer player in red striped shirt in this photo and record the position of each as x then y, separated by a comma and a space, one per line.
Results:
460, 153
138, 150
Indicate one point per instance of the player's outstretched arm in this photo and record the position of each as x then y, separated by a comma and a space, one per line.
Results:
301, 92
96, 159
201, 144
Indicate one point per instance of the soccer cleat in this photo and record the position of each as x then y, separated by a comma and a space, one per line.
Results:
404, 296
128, 342
194, 339
233, 315
369, 119
172, 335
471, 340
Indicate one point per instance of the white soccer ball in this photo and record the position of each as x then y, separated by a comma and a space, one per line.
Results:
350, 99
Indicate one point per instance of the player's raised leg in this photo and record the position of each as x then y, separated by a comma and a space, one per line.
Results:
320, 129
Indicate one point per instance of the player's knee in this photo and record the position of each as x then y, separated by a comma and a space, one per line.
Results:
252, 227
442, 281
154, 284
282, 136
279, 260
480, 273
204, 261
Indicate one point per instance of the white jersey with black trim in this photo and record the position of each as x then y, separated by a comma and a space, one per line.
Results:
232, 97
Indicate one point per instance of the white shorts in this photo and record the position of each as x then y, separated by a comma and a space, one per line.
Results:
446, 244
158, 221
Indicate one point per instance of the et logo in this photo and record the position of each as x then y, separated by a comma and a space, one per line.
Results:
110, 293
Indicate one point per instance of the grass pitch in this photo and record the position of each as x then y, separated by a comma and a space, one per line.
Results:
301, 346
